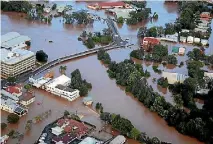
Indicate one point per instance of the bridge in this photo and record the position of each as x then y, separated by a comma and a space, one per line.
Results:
117, 43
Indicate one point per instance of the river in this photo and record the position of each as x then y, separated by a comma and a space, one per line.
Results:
105, 90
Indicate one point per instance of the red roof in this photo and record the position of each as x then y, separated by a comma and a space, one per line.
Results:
14, 89
151, 40
119, 3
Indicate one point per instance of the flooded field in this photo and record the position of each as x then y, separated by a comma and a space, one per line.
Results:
113, 98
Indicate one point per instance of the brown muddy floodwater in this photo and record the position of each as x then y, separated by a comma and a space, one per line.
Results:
105, 90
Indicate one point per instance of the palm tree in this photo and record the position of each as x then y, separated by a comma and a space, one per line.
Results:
62, 69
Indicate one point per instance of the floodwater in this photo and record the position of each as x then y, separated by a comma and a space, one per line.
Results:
105, 90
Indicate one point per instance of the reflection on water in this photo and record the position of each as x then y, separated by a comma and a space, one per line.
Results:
105, 90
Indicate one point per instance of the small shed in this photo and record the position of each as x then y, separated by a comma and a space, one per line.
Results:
190, 39
197, 40
175, 50
181, 51
182, 39
204, 42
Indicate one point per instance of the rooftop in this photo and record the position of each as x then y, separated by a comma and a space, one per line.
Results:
15, 56
61, 80
89, 140
64, 139
15, 41
151, 40
118, 140
14, 89
118, 3
174, 77
27, 96
8, 36
64, 88
9, 95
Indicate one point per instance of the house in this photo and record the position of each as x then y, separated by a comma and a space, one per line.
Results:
190, 39
60, 9
15, 90
149, 42
197, 40
90, 140
175, 50
182, 39
205, 15
57, 130
87, 100
200, 30
4, 139
209, 75
108, 5
27, 98
174, 77
204, 42
48, 7
59, 87
117, 12
40, 81
64, 139
181, 51
171, 38
118, 140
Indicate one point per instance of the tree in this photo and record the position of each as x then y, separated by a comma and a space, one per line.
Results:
169, 29
152, 32
3, 126
12, 118
16, 6
191, 84
62, 69
172, 59
120, 20
89, 43
178, 100
159, 52
28, 87
11, 80
66, 113
138, 54
196, 54
134, 133
163, 82
41, 56
54, 6
210, 59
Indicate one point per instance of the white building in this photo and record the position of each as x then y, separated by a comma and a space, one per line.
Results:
190, 39
182, 39
204, 42
57, 130
4, 139
14, 40
197, 40
16, 62
118, 140
209, 75
58, 86
39, 82
27, 98
174, 77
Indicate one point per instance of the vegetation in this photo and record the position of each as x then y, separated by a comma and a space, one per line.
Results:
196, 54
81, 17
41, 56
12, 118
138, 16
155, 68
138, 54
28, 125
62, 69
28, 87
169, 29
120, 20
178, 100
104, 56
163, 82
78, 83
66, 113
54, 6
99, 107
125, 127
16, 6
194, 70
171, 59
11, 80
159, 53
155, 15
3, 126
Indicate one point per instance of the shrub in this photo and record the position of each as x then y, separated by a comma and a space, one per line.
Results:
12, 118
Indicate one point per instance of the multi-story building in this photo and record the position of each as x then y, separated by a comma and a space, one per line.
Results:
59, 86
16, 62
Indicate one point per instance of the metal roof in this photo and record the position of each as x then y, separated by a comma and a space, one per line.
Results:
118, 140
89, 140
15, 56
9, 36
15, 41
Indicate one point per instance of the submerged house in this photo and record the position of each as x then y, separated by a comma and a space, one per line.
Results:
174, 77
108, 5
148, 43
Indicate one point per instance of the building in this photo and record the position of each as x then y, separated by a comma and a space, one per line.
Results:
90, 140
16, 62
60, 9
64, 139
209, 75
149, 42
182, 39
108, 5
190, 39
4, 139
59, 87
171, 38
87, 100
174, 77
15, 90
204, 42
197, 40
117, 12
27, 98
14, 40
48, 7
205, 15
11, 106
181, 51
118, 140
175, 50
9, 95
39, 82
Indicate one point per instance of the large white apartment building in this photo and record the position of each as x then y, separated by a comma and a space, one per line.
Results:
58, 86
16, 62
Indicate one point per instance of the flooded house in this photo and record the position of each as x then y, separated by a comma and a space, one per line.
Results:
108, 5
174, 77
147, 43
15, 90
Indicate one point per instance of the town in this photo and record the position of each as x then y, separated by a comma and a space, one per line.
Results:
108, 72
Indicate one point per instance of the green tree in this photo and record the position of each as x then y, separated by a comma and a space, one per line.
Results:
120, 20
66, 113
12, 118
178, 100
169, 29
134, 133
41, 56
62, 69
3, 126
89, 43
172, 59
28, 87
54, 6
138, 54
152, 32
11, 80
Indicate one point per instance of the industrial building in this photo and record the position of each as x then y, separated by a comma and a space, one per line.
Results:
16, 62
14, 40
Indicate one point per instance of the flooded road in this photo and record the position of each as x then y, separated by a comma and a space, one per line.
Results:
113, 98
